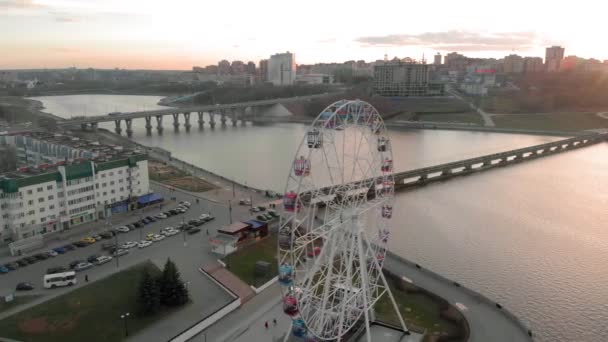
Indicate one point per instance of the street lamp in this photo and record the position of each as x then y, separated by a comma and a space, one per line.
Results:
125, 318
230, 211
184, 232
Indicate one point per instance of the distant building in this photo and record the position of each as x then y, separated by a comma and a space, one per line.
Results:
223, 67
437, 59
513, 64
397, 79
263, 70
533, 64
315, 79
250, 68
553, 58
282, 69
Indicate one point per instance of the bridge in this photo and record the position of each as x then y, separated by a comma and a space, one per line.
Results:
426, 175
234, 111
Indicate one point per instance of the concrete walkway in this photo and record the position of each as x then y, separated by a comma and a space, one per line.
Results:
486, 321
487, 119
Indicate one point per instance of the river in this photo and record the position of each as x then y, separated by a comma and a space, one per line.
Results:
533, 237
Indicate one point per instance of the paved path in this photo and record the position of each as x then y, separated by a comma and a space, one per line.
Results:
487, 119
603, 115
487, 323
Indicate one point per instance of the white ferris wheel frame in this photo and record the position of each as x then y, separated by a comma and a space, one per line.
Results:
332, 289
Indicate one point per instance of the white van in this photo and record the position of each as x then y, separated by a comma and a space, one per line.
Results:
59, 279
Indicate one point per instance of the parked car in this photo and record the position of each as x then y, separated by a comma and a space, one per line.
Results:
12, 266
268, 217
107, 235
170, 232
261, 208
128, 244
31, 259
4, 269
41, 256
181, 210
97, 237
168, 213
120, 252
88, 239
103, 259
187, 227
75, 262
138, 224
131, 226
146, 221
81, 244
157, 237
24, 286
245, 201
161, 216
173, 211
22, 263
69, 247
56, 269
144, 244
261, 218
186, 203
273, 213
81, 266
92, 258
107, 246
254, 210
206, 217
151, 219
59, 250
123, 229
194, 231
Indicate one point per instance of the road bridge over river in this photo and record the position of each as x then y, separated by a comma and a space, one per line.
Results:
243, 111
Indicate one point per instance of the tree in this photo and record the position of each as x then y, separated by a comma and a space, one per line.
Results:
148, 299
173, 292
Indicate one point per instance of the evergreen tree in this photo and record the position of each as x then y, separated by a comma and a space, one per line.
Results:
173, 292
148, 299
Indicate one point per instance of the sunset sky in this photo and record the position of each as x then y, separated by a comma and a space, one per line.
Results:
177, 34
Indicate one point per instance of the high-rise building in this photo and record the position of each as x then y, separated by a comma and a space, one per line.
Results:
513, 64
437, 59
553, 58
250, 68
282, 68
397, 79
263, 70
533, 64
223, 67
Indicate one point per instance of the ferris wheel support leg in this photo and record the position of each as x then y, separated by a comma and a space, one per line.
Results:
364, 279
388, 290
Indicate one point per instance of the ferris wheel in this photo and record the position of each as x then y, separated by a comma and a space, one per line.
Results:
335, 223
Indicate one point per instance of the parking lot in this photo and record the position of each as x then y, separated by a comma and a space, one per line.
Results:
189, 252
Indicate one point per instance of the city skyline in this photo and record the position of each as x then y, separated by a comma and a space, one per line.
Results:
111, 33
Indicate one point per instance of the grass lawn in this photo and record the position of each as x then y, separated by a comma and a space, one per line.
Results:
242, 262
554, 121
466, 117
90, 313
177, 178
415, 308
4, 306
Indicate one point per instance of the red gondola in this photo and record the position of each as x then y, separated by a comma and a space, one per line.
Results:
290, 201
387, 165
301, 167
290, 305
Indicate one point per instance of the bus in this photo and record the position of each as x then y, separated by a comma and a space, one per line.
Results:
59, 279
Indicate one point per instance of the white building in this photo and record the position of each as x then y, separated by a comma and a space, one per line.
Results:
282, 69
397, 78
38, 201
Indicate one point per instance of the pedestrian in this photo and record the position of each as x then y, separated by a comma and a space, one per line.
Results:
207, 231
86, 278
274, 321
266, 324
